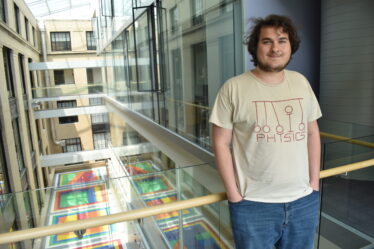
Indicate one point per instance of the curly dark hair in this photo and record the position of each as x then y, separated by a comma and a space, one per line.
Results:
277, 21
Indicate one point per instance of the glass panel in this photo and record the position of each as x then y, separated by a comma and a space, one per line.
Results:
347, 204
192, 82
66, 90
143, 52
187, 84
119, 67
345, 129
92, 192
130, 41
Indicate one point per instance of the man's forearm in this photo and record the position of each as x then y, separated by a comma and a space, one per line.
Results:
314, 155
226, 169
224, 162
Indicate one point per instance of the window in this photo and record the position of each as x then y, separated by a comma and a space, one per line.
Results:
197, 12
16, 15
201, 92
94, 77
71, 145
38, 134
2, 11
7, 54
27, 28
131, 137
91, 44
90, 77
59, 77
4, 187
18, 143
32, 81
174, 19
33, 36
96, 101
29, 130
99, 118
63, 77
67, 104
60, 41
178, 89
22, 72
101, 140
226, 6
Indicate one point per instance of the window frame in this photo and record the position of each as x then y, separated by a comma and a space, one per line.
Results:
8, 67
68, 119
63, 45
27, 31
63, 77
21, 59
197, 14
99, 118
173, 19
90, 40
101, 140
74, 143
33, 35
4, 187
18, 144
3, 11
17, 18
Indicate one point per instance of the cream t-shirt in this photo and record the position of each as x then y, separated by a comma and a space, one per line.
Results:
269, 124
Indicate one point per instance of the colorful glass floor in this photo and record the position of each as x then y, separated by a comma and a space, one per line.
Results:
79, 195
84, 194
156, 189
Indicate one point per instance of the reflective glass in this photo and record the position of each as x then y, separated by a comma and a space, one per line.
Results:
167, 66
143, 52
347, 203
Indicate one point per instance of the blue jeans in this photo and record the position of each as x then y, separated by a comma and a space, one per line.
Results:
292, 225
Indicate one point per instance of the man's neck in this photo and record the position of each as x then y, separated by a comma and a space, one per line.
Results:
269, 77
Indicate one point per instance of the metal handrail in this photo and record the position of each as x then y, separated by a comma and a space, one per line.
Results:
347, 139
43, 231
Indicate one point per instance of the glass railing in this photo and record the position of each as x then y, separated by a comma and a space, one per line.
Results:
345, 129
347, 200
190, 119
97, 192
67, 90
88, 193
83, 194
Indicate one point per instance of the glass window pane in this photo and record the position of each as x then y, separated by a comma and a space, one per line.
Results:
91, 42
60, 41
142, 37
2, 10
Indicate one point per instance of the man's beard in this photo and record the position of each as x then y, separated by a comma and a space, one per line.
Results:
267, 68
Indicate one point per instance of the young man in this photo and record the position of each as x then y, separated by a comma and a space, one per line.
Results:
269, 114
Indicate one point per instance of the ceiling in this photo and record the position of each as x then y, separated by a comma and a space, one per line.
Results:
61, 9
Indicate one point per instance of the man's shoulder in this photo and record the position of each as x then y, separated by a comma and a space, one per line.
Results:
237, 80
296, 76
